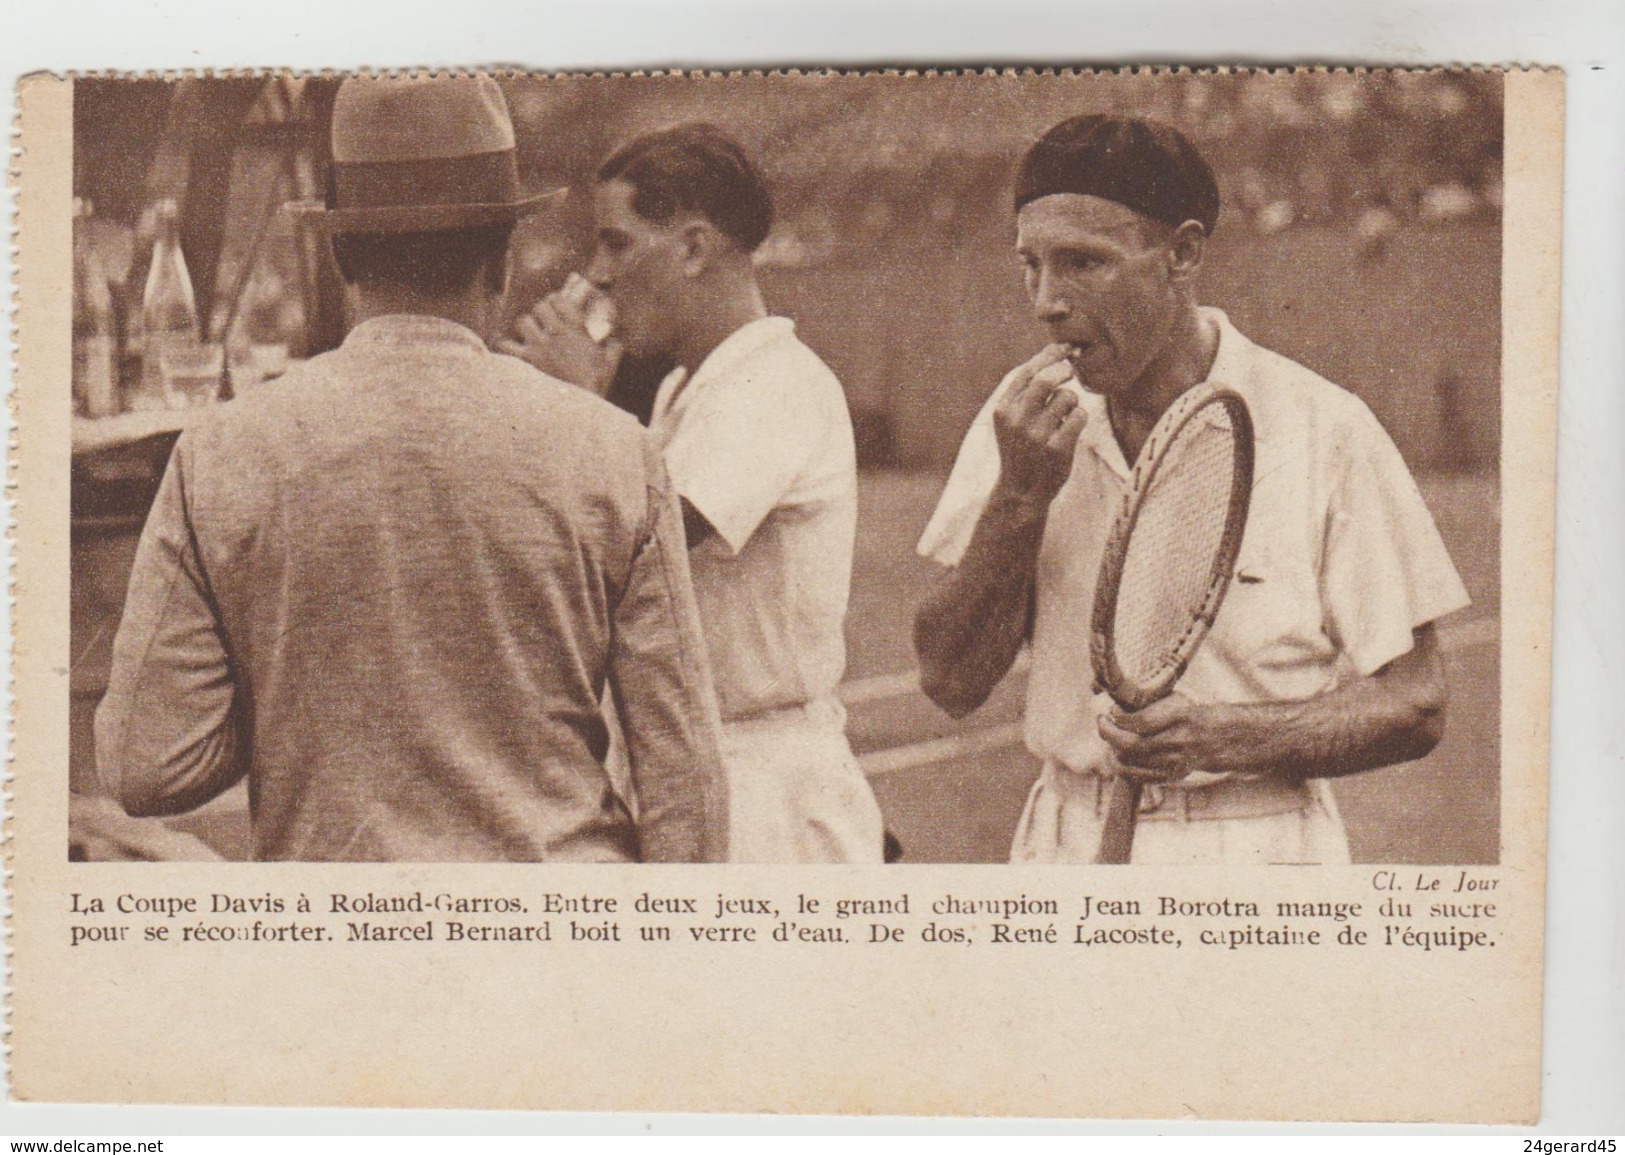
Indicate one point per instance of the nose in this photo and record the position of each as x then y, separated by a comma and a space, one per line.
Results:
1050, 304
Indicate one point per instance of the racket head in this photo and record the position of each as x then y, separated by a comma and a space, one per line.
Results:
1173, 548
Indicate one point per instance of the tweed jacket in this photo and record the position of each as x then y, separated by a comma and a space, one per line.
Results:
392, 589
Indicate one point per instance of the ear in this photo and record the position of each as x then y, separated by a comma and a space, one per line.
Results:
698, 240
1186, 248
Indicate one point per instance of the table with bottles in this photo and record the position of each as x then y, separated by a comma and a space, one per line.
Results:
144, 368
143, 362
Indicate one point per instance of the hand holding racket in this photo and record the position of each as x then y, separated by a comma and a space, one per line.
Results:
1167, 566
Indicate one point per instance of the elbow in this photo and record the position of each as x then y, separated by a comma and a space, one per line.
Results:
148, 786
941, 677
1423, 725
136, 792
1418, 702
140, 802
1428, 726
947, 693
149, 795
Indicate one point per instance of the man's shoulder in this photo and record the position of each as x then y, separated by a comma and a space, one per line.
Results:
1277, 381
603, 439
790, 359
253, 415
1301, 411
316, 406
324, 383
559, 400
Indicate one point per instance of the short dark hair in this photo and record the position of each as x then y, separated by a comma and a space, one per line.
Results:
700, 168
438, 263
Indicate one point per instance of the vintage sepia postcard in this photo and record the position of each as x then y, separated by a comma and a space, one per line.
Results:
954, 593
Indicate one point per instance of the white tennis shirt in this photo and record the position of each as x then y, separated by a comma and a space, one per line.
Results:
759, 441
1341, 560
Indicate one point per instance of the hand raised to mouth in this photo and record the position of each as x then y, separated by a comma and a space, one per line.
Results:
568, 335
1037, 426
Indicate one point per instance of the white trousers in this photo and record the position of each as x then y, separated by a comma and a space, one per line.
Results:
1065, 813
796, 793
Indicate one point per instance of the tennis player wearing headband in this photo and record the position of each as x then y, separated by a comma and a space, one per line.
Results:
1323, 660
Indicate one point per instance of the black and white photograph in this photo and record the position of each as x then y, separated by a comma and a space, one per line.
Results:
682, 591
1008, 467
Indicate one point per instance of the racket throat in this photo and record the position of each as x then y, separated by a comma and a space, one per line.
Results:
1117, 828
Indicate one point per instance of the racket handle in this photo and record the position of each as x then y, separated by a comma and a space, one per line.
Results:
1122, 812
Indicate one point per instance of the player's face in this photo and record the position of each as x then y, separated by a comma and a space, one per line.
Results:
1099, 276
638, 264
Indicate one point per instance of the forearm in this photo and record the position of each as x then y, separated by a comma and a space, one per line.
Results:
970, 629
1395, 715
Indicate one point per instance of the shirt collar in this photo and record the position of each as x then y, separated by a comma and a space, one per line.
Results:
406, 330
1232, 367
740, 345
1097, 436
1234, 361
737, 348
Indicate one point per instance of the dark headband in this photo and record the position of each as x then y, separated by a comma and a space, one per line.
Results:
1140, 164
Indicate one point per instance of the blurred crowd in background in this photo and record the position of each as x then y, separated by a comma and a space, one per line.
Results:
867, 164
1359, 229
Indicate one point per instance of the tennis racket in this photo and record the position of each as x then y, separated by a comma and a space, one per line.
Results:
1167, 566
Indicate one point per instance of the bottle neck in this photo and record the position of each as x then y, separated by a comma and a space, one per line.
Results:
168, 303
169, 230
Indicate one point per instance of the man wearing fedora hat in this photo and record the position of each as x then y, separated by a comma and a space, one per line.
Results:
392, 589
1323, 660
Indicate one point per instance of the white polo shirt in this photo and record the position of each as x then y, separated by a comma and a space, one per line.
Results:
1339, 563
759, 441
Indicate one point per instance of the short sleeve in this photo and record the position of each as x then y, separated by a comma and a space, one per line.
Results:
970, 485
1386, 571
740, 445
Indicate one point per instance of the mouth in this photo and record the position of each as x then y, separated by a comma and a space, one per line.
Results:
1080, 355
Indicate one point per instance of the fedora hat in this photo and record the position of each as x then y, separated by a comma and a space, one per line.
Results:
423, 154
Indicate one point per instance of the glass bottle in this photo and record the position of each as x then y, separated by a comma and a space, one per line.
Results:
169, 321
129, 298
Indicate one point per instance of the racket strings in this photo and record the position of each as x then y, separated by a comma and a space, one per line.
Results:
1169, 560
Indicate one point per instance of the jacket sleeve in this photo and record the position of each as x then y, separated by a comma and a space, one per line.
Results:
662, 683
167, 732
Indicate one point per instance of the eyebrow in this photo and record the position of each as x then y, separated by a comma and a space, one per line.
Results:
1093, 248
